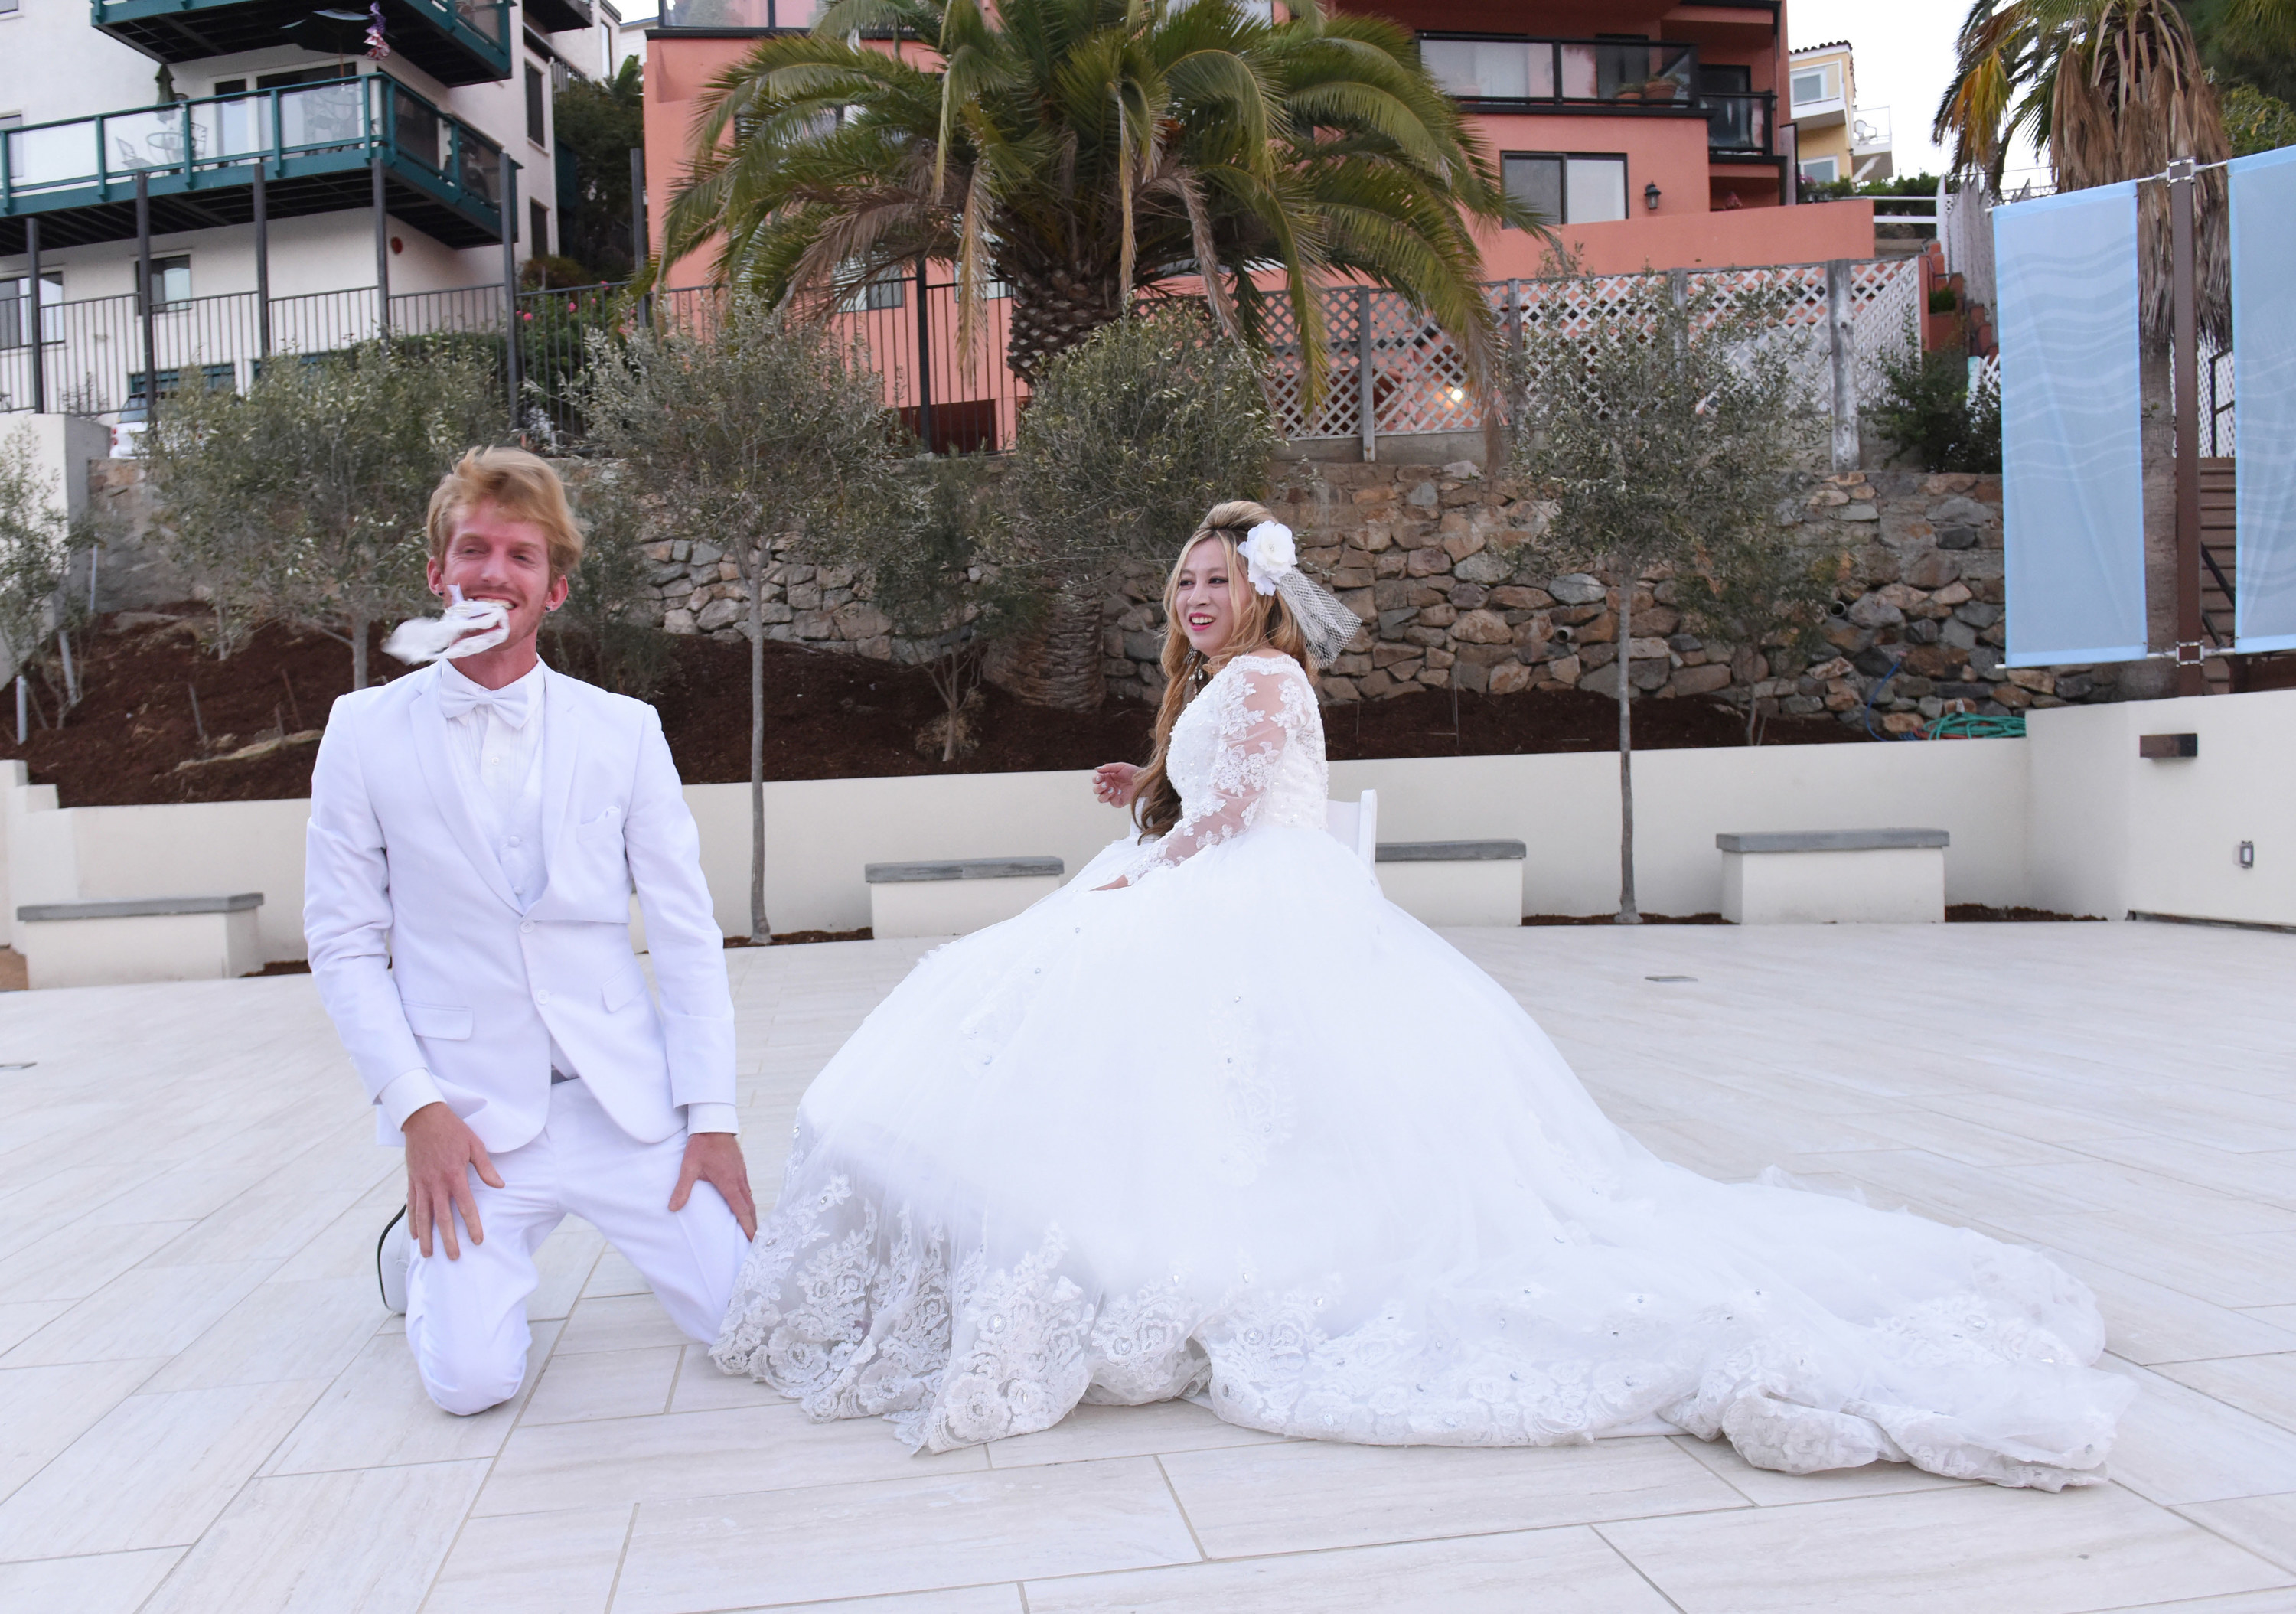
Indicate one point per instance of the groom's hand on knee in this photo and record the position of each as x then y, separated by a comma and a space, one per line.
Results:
715, 1157
440, 1153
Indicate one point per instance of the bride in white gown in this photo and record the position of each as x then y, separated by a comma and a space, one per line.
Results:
1217, 1120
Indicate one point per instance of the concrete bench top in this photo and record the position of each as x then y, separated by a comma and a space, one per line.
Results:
139, 907
1451, 851
1834, 840
962, 868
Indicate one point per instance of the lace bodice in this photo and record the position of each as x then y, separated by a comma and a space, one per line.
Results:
1247, 753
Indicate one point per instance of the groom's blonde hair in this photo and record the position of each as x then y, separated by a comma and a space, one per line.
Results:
522, 485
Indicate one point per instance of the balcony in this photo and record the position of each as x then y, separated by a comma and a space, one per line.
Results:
314, 141
455, 41
1516, 73
558, 16
741, 15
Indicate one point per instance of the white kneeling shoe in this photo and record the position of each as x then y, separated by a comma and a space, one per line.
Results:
392, 1252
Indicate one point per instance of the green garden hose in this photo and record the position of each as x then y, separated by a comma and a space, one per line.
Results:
1972, 725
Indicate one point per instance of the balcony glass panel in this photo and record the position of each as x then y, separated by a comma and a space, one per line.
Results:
484, 16
59, 154
1481, 69
1737, 123
144, 139
224, 129
1625, 73
741, 14
322, 117
1577, 72
481, 171
417, 132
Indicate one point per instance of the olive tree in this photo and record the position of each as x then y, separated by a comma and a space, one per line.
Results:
1130, 437
36, 545
1665, 435
304, 497
762, 435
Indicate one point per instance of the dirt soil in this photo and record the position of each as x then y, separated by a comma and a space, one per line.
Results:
134, 737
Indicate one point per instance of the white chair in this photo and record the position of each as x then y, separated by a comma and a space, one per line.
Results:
1354, 826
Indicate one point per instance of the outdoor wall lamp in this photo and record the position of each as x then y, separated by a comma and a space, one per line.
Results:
1649, 196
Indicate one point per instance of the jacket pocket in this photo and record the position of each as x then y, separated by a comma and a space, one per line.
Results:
607, 822
443, 1020
629, 985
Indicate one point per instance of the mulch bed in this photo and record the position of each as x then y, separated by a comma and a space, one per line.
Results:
134, 738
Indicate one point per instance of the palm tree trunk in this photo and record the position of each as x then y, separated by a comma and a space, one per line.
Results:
1628, 912
1051, 312
1058, 663
759, 934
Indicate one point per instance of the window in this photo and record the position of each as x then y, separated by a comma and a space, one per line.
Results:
1819, 83
171, 281
1565, 187
890, 289
7, 8
16, 305
534, 128
1821, 170
539, 221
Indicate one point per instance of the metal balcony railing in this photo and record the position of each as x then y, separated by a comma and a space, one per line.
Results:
455, 41
198, 158
1521, 73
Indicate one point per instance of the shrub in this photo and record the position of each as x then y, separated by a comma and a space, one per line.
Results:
1933, 412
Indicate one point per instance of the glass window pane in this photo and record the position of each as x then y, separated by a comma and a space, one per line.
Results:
1598, 189
1536, 182
1577, 72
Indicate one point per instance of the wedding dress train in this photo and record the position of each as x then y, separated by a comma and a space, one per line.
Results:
1244, 1130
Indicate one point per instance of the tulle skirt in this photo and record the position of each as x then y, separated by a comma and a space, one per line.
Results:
1248, 1133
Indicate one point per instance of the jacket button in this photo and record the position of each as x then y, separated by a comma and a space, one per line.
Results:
526, 926
543, 996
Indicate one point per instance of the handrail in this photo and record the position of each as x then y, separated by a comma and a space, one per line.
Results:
188, 137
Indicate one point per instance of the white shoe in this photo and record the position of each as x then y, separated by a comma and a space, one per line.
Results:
392, 1252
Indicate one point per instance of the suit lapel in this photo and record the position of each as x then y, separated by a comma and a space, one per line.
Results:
561, 744
447, 790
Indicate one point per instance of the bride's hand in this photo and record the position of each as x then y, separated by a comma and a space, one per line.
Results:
1115, 783
1117, 884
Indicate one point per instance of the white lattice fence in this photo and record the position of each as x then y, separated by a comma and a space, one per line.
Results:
1420, 381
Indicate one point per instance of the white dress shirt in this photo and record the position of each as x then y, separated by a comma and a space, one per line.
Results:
496, 764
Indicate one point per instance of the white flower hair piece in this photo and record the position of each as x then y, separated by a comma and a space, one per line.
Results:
1272, 561
1269, 553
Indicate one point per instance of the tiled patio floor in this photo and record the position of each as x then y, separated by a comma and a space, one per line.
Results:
203, 1405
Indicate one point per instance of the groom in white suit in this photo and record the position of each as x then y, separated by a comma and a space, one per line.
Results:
475, 831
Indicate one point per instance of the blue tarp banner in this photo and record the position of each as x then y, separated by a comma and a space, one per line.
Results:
2072, 485
2264, 400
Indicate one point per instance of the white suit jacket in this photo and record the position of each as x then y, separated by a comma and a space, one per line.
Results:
424, 961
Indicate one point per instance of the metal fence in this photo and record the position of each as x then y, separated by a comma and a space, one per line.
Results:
1389, 371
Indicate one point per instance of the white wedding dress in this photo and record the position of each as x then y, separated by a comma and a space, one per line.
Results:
1245, 1131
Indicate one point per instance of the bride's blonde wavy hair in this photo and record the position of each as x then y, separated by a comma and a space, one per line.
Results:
1262, 622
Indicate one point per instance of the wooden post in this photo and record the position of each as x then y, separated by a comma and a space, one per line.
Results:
2187, 364
144, 294
39, 358
1842, 336
1368, 394
262, 258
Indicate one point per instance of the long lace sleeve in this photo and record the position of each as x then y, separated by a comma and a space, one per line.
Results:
1259, 708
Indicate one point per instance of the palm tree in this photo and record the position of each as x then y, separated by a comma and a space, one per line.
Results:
2114, 90
1082, 152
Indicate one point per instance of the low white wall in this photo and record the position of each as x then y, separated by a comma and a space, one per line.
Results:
2110, 832
2070, 819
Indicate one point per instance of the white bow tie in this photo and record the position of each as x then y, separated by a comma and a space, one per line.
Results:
458, 698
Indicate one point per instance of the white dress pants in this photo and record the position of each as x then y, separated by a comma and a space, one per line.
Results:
466, 1318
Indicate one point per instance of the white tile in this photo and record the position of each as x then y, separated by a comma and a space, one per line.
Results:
19, 1321
2265, 1525
563, 1267
2152, 1322
681, 1455
370, 1539
916, 1534
702, 1386
1573, 1569
107, 1583
2239, 1603
1983, 1547
1307, 1495
152, 1311
1089, 1432
952, 1600
2264, 1386
309, 1329
375, 1414
618, 1323
614, 1276
604, 1384
2177, 1445
1769, 1488
43, 1410
533, 1564
76, 1260
154, 1471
